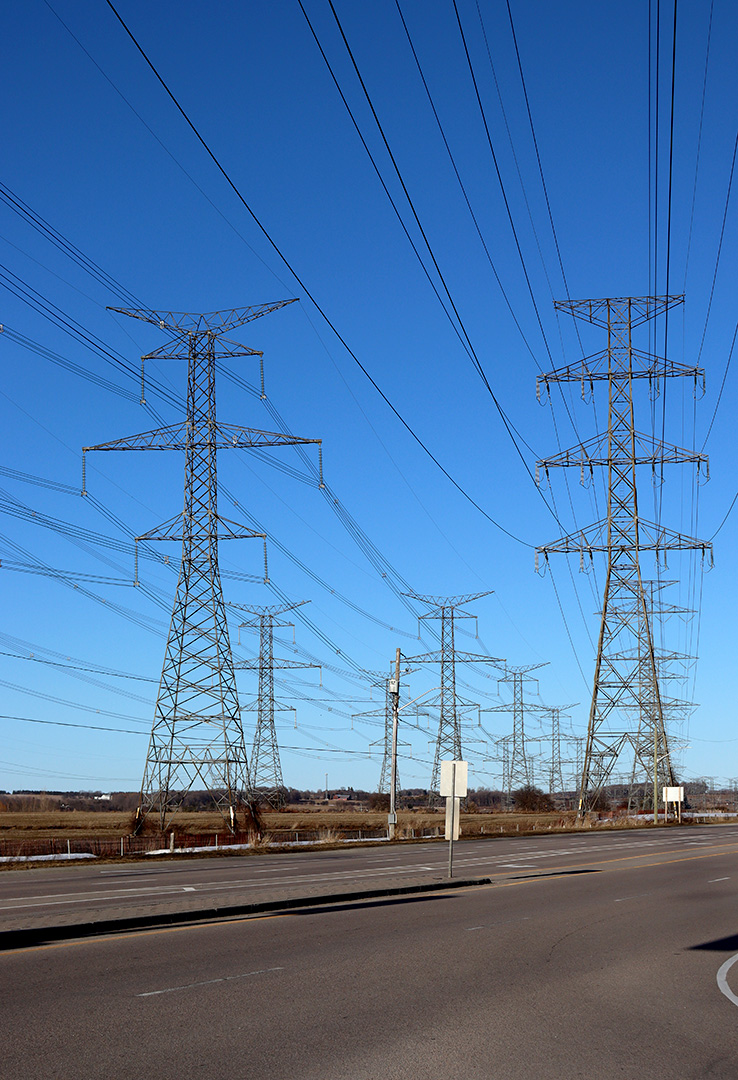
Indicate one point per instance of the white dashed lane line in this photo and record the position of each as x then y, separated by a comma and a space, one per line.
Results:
208, 982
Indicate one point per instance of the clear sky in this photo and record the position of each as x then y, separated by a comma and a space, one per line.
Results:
97, 157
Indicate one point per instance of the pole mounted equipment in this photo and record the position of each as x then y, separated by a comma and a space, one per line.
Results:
626, 681
197, 739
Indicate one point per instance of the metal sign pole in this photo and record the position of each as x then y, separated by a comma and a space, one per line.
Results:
392, 818
453, 821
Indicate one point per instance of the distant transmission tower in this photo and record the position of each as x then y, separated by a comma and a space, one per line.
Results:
385, 713
197, 737
517, 769
556, 772
448, 742
266, 769
626, 674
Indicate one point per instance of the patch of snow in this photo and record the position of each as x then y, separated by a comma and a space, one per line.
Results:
44, 858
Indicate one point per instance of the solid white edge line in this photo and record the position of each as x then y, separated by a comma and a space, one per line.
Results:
722, 979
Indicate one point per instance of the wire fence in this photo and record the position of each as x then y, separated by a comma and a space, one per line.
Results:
126, 846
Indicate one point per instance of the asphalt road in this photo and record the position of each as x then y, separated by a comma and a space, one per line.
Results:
67, 895
592, 957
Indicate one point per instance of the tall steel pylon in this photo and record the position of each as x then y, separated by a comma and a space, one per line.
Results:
448, 742
517, 768
556, 772
384, 682
626, 675
385, 775
266, 769
197, 735
640, 793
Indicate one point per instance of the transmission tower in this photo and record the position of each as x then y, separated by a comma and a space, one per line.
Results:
197, 735
556, 772
626, 675
448, 742
385, 682
266, 769
640, 792
517, 770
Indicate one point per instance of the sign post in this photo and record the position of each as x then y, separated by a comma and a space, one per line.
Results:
454, 776
394, 689
675, 795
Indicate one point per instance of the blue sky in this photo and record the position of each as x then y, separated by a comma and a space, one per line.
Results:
95, 147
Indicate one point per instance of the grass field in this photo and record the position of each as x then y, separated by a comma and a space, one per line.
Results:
81, 824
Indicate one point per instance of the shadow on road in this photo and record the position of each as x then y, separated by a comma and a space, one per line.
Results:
553, 873
389, 902
724, 944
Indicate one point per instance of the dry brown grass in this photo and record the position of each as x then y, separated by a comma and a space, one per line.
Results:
81, 824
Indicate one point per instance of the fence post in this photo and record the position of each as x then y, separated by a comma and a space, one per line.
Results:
121, 847
171, 841
69, 848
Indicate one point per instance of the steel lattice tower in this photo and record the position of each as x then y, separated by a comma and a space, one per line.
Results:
641, 779
448, 742
266, 769
556, 772
626, 676
197, 735
385, 776
517, 771
384, 681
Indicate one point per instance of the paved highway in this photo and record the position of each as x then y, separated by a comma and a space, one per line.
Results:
588, 957
61, 895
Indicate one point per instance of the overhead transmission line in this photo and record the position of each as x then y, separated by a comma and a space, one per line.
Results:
469, 348
240, 235
43, 226
699, 147
459, 326
357, 361
66, 246
364, 543
307, 291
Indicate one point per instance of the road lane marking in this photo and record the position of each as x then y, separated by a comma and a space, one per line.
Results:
208, 982
713, 880
722, 979
306, 879
214, 924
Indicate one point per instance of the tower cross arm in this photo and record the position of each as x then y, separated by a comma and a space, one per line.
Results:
619, 309
277, 663
220, 436
224, 529
652, 537
166, 438
642, 365
647, 451
460, 657
232, 435
214, 322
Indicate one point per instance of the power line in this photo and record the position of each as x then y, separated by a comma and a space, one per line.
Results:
307, 291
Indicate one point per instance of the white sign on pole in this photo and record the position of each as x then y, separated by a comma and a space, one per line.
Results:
454, 775
672, 794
